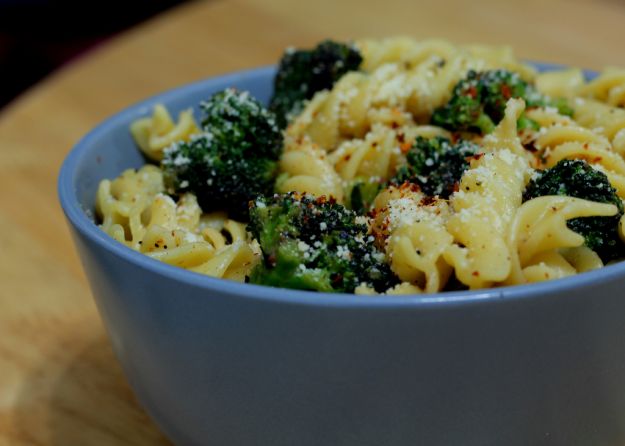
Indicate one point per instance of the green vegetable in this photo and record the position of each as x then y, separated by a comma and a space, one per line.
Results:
237, 120
478, 102
302, 73
436, 165
360, 194
233, 161
314, 244
576, 178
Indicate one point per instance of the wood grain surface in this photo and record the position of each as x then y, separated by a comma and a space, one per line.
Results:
59, 381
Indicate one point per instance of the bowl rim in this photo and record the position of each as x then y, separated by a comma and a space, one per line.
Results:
77, 217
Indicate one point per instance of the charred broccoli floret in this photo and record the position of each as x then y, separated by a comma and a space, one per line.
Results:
233, 161
314, 244
436, 165
576, 178
478, 102
302, 73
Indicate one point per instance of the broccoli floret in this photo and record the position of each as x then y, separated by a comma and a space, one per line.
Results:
436, 165
361, 193
236, 119
233, 161
314, 244
302, 73
576, 178
524, 123
463, 112
478, 102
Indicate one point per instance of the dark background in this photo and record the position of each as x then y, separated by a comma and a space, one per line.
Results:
38, 36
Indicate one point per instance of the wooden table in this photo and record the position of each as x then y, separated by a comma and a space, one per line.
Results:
59, 381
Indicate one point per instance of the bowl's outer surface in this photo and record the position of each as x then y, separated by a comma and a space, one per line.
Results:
220, 363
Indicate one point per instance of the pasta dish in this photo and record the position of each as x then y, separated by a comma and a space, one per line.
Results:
387, 166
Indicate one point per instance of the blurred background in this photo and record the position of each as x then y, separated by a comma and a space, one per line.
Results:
39, 36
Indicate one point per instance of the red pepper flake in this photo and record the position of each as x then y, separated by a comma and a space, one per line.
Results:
475, 157
505, 91
405, 147
530, 147
475, 273
408, 186
428, 201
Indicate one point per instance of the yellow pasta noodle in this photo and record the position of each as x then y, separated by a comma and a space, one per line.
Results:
305, 168
560, 83
490, 193
539, 227
134, 211
412, 230
608, 87
604, 119
155, 133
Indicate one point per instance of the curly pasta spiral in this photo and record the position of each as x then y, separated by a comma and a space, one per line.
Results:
411, 228
560, 83
154, 134
124, 203
135, 212
490, 192
539, 233
305, 168
608, 87
604, 119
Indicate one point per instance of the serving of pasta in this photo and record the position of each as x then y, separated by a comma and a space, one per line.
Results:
447, 167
